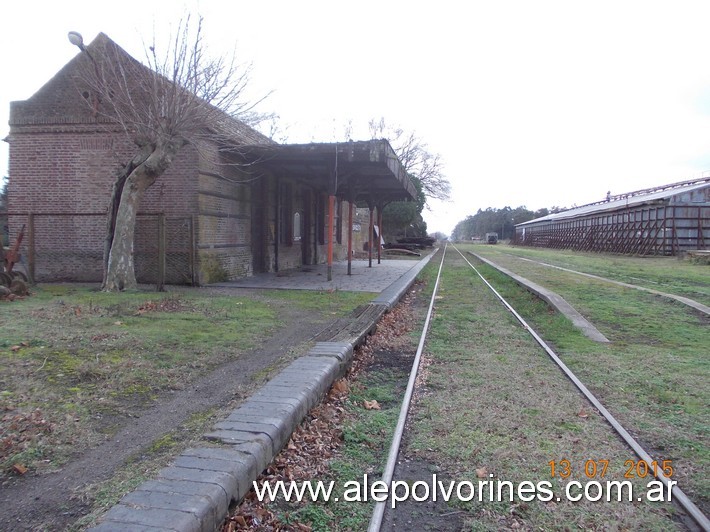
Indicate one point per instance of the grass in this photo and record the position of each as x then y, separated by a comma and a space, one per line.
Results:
652, 376
655, 371
74, 362
666, 274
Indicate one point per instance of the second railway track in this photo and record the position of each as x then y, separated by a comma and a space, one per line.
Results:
591, 447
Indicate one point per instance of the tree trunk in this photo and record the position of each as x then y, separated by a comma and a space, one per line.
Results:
120, 272
115, 202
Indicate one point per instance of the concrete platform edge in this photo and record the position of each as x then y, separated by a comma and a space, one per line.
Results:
193, 494
554, 299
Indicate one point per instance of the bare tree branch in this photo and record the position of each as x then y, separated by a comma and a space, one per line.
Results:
416, 158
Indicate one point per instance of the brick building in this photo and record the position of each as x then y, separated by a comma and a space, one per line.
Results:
215, 217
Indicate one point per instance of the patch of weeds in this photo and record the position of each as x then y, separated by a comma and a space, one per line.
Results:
165, 443
314, 515
212, 269
266, 373
336, 302
143, 466
86, 356
104, 496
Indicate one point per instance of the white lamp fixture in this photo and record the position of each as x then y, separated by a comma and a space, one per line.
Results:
76, 39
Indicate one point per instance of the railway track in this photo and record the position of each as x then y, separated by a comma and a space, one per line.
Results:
645, 457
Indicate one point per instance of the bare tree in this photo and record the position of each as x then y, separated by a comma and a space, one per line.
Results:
180, 97
416, 158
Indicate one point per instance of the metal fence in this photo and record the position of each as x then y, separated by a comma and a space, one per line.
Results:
664, 230
69, 247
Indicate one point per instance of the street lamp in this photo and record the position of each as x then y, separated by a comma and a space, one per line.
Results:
77, 40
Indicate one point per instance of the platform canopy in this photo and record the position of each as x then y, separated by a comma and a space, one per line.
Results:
366, 172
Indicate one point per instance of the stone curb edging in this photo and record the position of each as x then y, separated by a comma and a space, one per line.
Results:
195, 492
557, 301
391, 295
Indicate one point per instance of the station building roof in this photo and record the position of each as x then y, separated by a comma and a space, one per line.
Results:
367, 172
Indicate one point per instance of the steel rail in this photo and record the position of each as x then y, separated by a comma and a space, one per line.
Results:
379, 511
677, 493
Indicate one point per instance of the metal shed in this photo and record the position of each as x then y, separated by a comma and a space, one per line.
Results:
663, 220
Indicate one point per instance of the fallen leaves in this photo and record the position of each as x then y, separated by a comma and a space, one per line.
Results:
319, 435
340, 387
163, 305
16, 348
372, 405
19, 430
19, 469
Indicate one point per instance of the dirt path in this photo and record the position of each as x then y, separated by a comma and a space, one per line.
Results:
45, 502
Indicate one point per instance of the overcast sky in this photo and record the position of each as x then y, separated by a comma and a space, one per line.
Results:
538, 103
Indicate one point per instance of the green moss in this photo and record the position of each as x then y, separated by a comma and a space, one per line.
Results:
162, 444
212, 270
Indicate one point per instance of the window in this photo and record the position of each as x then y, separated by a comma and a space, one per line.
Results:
296, 226
285, 217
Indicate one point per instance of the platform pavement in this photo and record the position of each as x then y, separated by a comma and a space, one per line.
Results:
195, 492
363, 278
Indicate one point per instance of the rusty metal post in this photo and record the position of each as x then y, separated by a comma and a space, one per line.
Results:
160, 284
31, 247
331, 219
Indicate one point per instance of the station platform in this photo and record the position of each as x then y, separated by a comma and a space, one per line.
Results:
315, 277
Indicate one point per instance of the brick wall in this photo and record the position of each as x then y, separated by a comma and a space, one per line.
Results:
224, 201
63, 159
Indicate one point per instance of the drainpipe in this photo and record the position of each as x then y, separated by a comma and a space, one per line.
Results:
331, 217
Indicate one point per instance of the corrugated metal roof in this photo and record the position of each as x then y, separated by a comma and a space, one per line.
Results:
625, 200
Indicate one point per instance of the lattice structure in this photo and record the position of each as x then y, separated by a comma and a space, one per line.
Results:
663, 221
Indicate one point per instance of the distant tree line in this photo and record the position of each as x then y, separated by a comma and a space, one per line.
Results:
501, 221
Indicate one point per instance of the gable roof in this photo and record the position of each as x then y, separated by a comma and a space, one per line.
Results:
61, 99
